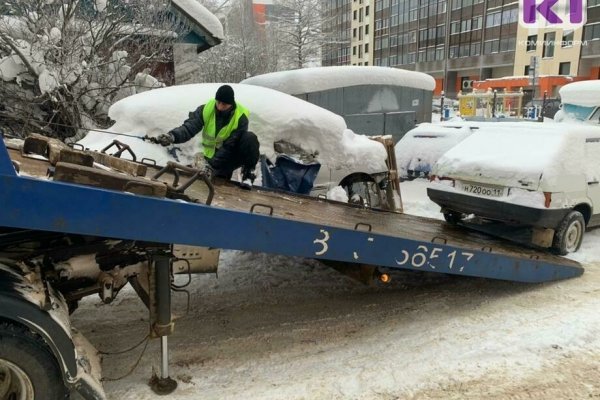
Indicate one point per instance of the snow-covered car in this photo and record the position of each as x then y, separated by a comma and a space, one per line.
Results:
274, 117
421, 147
544, 176
580, 103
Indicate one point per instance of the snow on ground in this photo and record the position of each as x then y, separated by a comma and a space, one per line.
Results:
272, 327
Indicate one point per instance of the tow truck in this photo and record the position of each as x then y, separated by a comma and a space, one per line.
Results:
75, 223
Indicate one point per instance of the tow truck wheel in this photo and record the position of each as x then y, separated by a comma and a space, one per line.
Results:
569, 233
28, 369
452, 217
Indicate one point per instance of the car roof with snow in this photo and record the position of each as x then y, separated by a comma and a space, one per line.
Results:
273, 116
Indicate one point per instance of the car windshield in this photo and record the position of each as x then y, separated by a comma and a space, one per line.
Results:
578, 112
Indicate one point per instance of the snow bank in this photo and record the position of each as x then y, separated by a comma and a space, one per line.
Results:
273, 116
201, 15
308, 80
584, 93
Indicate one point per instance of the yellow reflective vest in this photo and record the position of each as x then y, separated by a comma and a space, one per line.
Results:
212, 140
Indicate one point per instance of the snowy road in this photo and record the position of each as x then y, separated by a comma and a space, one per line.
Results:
286, 328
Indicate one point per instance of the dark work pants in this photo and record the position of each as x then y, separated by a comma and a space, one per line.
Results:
243, 153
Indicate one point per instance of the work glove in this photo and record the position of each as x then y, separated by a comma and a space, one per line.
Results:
164, 139
200, 163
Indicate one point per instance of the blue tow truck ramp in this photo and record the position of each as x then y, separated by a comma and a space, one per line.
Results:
295, 226
58, 208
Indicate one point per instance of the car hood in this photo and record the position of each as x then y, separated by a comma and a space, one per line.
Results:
514, 156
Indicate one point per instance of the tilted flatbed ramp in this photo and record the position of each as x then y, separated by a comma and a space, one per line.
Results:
266, 221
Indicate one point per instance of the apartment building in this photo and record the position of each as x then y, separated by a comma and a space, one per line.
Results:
337, 28
362, 25
459, 42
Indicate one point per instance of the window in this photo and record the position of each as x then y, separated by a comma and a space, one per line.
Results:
354, 50
531, 43
493, 19
526, 71
454, 27
366, 48
360, 15
394, 20
549, 39
366, 11
593, 3
421, 55
475, 49
360, 36
491, 46
441, 7
465, 26
354, 15
591, 31
453, 52
366, 29
564, 68
393, 41
360, 51
354, 32
567, 39
441, 31
456, 4
393, 60
477, 23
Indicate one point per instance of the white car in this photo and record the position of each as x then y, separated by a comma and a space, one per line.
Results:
274, 117
544, 176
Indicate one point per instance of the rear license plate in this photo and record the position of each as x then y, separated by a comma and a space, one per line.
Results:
483, 190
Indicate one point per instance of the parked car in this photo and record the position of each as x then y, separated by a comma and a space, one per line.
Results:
580, 102
274, 117
420, 147
543, 176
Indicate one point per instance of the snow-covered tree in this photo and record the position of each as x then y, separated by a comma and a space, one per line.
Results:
298, 28
243, 53
63, 62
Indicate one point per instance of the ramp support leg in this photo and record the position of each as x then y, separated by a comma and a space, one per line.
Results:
162, 324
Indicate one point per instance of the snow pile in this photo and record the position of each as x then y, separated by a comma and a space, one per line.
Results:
273, 116
584, 93
201, 15
338, 193
309, 80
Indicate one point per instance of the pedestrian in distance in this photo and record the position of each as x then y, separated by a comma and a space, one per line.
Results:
226, 142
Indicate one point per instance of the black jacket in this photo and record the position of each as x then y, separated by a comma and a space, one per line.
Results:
194, 124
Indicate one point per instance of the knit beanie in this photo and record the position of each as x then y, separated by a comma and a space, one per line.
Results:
225, 95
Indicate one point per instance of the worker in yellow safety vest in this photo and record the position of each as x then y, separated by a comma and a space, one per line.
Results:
226, 142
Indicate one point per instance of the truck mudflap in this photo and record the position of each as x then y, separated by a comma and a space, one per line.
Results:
24, 303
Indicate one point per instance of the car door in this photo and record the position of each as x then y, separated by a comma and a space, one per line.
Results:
592, 162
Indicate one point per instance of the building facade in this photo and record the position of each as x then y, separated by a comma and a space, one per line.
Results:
337, 27
362, 25
460, 42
